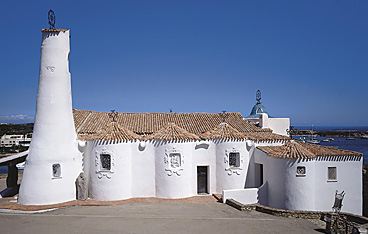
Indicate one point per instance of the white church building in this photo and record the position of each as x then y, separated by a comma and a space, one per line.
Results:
174, 155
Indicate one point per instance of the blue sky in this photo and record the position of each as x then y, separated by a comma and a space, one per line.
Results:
309, 58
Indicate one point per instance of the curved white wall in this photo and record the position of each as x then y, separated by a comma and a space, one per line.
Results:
114, 184
172, 181
54, 137
143, 169
227, 177
286, 189
299, 189
205, 155
274, 175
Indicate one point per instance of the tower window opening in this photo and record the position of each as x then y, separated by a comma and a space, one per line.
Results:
56, 170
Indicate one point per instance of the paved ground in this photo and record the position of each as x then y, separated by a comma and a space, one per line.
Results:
152, 217
201, 214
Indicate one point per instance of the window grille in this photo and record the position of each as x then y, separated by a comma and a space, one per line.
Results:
301, 170
234, 159
105, 162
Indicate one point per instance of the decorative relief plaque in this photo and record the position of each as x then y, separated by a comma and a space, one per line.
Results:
50, 68
234, 161
104, 163
174, 160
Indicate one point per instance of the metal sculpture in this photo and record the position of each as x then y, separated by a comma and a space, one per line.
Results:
338, 201
258, 96
113, 115
290, 131
223, 116
51, 19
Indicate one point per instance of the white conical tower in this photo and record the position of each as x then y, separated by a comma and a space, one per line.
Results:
54, 162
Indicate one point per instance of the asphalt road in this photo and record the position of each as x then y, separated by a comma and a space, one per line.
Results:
152, 217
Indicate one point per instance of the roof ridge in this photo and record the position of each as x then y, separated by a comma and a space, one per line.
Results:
296, 149
223, 131
172, 132
115, 133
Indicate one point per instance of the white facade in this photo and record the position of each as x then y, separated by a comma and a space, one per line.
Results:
149, 171
312, 190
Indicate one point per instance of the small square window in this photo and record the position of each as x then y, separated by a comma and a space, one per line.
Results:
301, 171
56, 170
332, 173
234, 159
105, 162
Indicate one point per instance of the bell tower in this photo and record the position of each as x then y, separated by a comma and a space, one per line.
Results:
54, 161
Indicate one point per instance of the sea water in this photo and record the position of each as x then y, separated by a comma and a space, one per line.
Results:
358, 145
3, 169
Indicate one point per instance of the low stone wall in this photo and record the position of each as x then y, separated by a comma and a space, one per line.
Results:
336, 222
278, 212
295, 213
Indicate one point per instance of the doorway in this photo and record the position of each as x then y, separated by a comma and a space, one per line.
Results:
202, 182
258, 174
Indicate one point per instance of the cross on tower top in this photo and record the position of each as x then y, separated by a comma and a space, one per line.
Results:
258, 96
51, 19
113, 115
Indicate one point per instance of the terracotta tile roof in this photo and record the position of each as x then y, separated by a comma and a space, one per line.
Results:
296, 149
90, 122
114, 133
223, 131
266, 137
325, 151
172, 132
291, 150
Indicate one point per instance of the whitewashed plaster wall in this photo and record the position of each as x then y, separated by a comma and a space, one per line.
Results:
244, 196
54, 137
253, 177
299, 189
349, 179
226, 176
86, 147
274, 175
287, 190
174, 176
114, 184
204, 155
143, 169
279, 125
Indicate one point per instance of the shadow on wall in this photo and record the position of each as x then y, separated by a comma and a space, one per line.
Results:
365, 190
263, 194
202, 146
